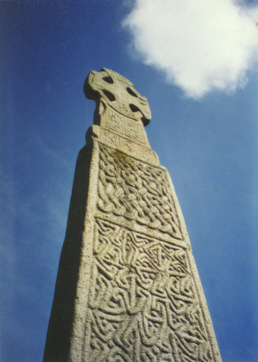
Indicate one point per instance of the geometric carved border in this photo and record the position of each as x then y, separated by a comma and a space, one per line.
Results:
129, 146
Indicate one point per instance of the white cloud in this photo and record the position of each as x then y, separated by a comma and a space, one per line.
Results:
200, 45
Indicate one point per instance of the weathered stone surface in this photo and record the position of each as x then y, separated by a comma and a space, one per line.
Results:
127, 286
117, 92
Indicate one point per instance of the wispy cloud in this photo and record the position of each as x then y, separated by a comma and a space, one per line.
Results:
200, 45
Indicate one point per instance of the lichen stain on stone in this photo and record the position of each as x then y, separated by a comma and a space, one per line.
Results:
122, 158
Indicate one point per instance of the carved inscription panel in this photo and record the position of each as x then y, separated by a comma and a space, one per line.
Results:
125, 126
136, 191
142, 303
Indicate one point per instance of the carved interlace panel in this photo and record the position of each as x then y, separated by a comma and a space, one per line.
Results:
142, 303
134, 190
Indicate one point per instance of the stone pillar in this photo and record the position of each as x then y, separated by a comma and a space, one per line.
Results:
127, 287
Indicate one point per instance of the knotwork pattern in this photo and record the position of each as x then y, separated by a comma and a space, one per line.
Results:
137, 191
142, 303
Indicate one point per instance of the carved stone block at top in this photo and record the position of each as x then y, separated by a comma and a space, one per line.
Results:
121, 143
118, 92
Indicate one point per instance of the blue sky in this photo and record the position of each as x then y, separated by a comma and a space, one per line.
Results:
203, 129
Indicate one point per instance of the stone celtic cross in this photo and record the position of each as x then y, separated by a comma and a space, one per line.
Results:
127, 287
